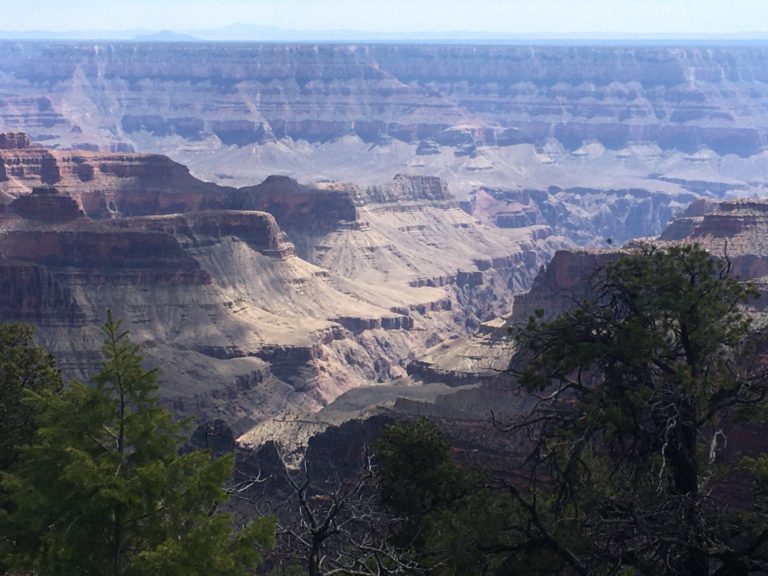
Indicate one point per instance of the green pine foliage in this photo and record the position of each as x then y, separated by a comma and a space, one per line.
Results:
638, 390
103, 489
24, 368
628, 458
416, 473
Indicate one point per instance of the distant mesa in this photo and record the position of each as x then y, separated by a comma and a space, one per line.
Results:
47, 204
14, 141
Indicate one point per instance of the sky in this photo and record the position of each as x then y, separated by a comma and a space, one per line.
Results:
524, 17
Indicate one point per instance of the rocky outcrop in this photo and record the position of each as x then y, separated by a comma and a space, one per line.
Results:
258, 229
408, 232
31, 294
733, 229
686, 222
485, 356
407, 188
300, 208
101, 257
565, 281
37, 164
110, 184
605, 142
47, 204
589, 216
247, 311
14, 141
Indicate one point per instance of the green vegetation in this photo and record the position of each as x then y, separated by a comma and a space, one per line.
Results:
627, 463
639, 389
24, 368
623, 465
102, 489
416, 474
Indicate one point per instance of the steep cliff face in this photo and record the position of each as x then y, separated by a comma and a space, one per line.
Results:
485, 356
589, 216
255, 299
409, 232
734, 229
682, 98
238, 323
107, 184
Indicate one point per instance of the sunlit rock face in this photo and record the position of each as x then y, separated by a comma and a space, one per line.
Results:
254, 300
733, 231
511, 117
595, 142
350, 271
680, 98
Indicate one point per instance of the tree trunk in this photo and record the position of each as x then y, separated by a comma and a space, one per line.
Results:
313, 566
683, 461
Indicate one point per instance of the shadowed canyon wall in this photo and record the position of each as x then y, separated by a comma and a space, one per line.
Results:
256, 300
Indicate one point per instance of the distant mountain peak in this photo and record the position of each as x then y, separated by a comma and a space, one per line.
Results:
165, 36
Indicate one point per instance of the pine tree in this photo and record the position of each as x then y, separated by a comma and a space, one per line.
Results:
637, 392
23, 367
104, 491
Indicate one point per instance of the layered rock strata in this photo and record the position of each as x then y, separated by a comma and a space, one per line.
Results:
610, 119
683, 98
733, 230
252, 300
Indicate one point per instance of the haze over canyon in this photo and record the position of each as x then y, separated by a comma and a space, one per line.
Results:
281, 225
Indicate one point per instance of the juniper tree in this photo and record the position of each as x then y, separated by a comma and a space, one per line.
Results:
638, 389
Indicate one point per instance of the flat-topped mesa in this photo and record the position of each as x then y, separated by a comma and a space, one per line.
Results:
298, 207
258, 229
405, 188
14, 141
744, 207
742, 223
736, 229
107, 184
735, 220
684, 224
47, 205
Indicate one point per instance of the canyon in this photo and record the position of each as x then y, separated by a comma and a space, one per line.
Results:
515, 131
255, 301
477, 373
298, 234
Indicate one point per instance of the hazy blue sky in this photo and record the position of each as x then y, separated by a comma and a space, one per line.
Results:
504, 16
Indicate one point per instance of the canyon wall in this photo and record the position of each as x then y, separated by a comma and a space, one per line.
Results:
599, 143
253, 301
680, 98
734, 231
425, 107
